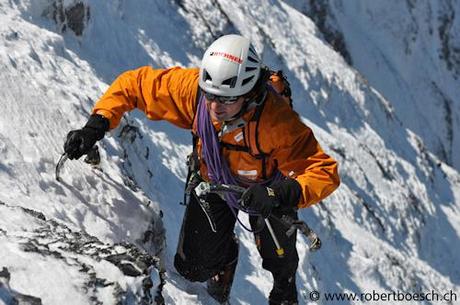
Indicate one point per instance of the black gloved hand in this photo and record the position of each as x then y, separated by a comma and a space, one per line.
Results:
262, 199
79, 142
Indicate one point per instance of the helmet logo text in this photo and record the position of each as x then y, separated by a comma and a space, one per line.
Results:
227, 56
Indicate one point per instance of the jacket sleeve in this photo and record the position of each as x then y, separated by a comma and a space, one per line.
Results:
299, 156
162, 94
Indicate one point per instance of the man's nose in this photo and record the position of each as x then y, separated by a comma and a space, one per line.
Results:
215, 104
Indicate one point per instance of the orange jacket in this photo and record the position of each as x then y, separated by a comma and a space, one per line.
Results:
171, 94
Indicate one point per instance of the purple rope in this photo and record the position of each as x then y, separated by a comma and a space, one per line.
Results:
218, 169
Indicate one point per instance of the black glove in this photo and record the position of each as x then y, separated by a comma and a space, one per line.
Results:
79, 142
262, 199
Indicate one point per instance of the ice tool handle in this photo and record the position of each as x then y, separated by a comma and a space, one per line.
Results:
205, 188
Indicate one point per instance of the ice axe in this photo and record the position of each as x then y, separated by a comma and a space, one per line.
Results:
290, 223
92, 157
59, 166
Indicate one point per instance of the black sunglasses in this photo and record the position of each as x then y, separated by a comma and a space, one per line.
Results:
226, 100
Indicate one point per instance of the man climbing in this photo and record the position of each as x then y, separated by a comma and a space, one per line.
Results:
245, 133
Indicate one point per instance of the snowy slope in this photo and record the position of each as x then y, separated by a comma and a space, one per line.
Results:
410, 52
394, 223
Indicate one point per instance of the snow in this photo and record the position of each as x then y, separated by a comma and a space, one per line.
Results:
390, 121
398, 47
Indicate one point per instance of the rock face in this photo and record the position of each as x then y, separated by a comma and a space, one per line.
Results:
73, 16
46, 240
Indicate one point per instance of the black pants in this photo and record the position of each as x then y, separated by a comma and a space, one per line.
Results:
202, 253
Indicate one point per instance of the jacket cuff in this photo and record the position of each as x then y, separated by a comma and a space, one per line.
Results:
288, 192
99, 124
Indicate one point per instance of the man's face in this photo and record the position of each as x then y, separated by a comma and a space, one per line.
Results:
223, 112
